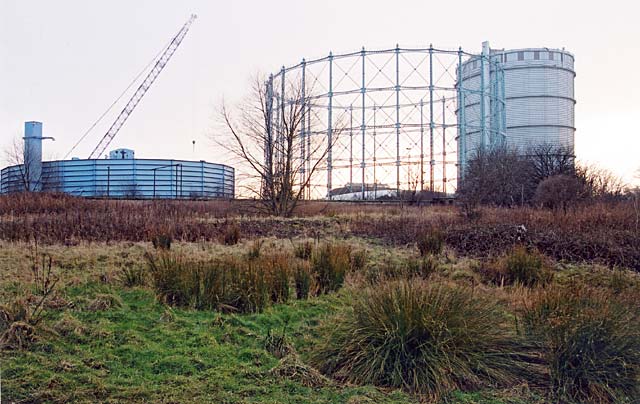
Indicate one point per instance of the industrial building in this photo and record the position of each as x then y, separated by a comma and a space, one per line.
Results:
519, 98
119, 176
412, 117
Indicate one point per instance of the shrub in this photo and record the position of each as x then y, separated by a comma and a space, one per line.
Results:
590, 340
424, 338
330, 264
430, 241
302, 279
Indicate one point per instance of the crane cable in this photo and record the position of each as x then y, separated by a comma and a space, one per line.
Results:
118, 99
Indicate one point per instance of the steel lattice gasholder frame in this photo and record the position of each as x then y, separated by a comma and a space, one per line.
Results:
396, 114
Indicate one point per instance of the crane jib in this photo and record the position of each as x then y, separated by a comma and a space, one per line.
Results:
142, 89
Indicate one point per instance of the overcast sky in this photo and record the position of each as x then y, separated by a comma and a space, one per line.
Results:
64, 62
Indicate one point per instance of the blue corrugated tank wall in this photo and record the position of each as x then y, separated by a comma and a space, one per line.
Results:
129, 178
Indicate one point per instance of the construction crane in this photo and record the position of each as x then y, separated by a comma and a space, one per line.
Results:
140, 92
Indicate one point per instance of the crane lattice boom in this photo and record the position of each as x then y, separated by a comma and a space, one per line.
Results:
137, 96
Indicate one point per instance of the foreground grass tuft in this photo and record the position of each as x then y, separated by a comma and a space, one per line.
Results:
591, 341
428, 339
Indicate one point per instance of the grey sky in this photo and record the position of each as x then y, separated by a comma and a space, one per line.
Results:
64, 62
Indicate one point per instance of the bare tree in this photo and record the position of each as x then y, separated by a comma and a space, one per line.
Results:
19, 176
266, 140
599, 183
499, 176
548, 160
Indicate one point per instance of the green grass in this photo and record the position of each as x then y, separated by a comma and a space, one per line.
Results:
139, 353
146, 352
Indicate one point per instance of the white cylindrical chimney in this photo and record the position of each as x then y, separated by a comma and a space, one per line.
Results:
33, 156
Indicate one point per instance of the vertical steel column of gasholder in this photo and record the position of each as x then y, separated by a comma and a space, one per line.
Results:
444, 147
421, 145
503, 116
431, 123
303, 110
350, 148
108, 179
398, 120
309, 151
330, 128
284, 151
483, 123
375, 154
462, 135
363, 127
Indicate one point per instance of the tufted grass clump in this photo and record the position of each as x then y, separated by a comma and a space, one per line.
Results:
518, 266
425, 338
590, 340
430, 241
330, 264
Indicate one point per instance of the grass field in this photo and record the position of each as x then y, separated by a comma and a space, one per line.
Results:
104, 339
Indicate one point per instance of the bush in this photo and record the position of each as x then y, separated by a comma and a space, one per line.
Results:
430, 241
330, 264
558, 192
590, 340
424, 338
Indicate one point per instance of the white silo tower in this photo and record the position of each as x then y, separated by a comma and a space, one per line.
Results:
535, 86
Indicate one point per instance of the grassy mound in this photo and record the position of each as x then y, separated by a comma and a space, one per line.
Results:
591, 341
425, 338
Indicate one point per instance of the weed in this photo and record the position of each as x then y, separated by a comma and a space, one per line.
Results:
278, 345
